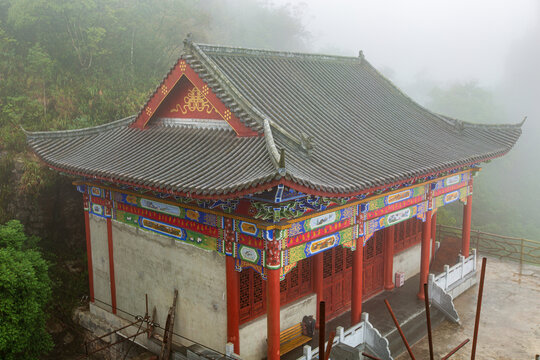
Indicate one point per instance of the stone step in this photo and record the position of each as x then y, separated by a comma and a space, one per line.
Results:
414, 329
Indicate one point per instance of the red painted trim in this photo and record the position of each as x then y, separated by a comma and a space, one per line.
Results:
395, 207
272, 313
389, 234
466, 232
433, 234
318, 281
233, 304
317, 233
357, 277
446, 190
258, 188
424, 254
180, 69
111, 265
89, 255
172, 220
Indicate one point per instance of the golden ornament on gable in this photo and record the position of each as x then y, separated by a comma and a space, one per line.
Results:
227, 115
205, 90
194, 101
182, 66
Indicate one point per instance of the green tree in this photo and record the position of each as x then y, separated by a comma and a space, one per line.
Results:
25, 290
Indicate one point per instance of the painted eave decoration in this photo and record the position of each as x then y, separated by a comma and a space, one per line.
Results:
235, 227
230, 122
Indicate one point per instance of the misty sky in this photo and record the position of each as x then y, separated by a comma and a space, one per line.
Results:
446, 41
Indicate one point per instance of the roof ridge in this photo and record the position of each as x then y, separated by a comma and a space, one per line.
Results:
271, 148
243, 102
232, 50
84, 131
405, 96
447, 120
453, 121
223, 79
207, 124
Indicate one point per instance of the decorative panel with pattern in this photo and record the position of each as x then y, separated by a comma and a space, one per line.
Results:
407, 234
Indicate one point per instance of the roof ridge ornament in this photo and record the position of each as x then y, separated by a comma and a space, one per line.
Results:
188, 41
306, 141
361, 56
277, 158
459, 126
281, 169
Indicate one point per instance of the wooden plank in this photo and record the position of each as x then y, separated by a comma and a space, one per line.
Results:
169, 327
291, 338
291, 345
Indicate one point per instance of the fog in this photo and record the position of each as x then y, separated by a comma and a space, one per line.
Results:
473, 60
443, 40
491, 46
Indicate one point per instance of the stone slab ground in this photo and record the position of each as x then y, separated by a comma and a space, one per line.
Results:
509, 322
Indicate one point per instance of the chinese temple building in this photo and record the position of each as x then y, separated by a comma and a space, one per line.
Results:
258, 183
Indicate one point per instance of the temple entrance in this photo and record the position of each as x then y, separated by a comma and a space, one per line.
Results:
373, 281
337, 275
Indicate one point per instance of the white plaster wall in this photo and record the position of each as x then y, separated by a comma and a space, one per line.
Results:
253, 344
100, 261
408, 261
156, 264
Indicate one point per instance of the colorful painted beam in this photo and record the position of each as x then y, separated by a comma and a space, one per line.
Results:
263, 245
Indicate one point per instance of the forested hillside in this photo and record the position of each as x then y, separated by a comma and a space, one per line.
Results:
66, 65
73, 64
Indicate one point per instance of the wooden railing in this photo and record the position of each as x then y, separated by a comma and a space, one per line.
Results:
507, 247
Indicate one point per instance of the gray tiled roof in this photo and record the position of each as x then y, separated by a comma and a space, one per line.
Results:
364, 131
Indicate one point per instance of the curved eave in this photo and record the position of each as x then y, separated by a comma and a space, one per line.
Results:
265, 184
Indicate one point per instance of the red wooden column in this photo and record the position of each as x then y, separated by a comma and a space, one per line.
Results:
233, 304
389, 234
433, 234
424, 254
318, 281
466, 231
357, 277
272, 313
111, 265
88, 247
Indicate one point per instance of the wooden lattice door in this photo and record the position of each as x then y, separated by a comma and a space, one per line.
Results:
252, 295
373, 270
337, 272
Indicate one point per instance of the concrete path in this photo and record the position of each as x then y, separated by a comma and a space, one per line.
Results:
509, 321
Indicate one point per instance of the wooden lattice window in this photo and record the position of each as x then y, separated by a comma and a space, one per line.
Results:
339, 260
378, 247
407, 234
252, 295
283, 287
258, 293
306, 271
369, 249
327, 264
349, 258
297, 283
245, 296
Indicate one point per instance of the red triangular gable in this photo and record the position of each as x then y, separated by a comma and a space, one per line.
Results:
183, 94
